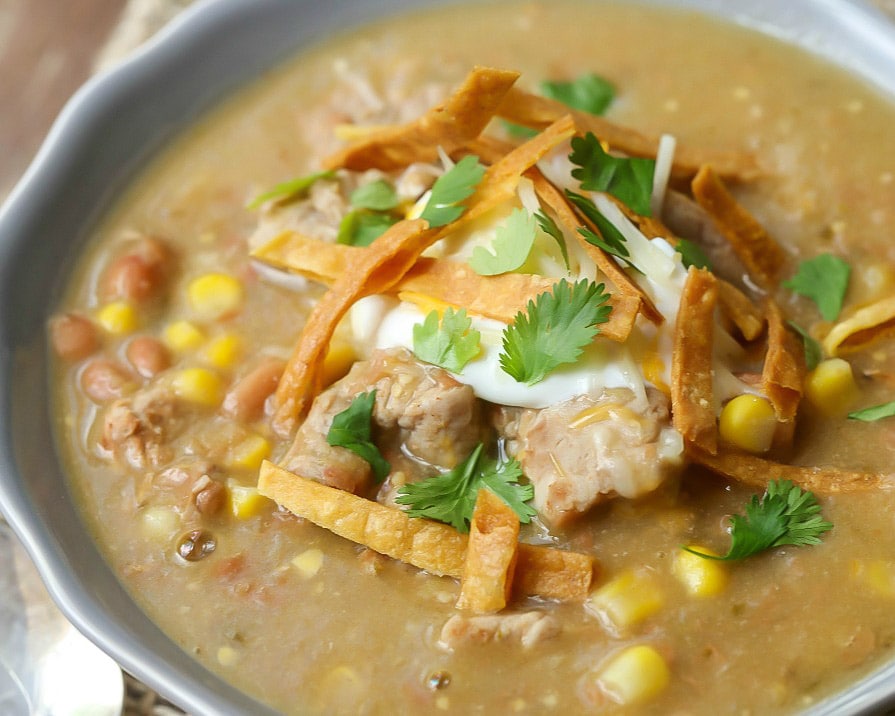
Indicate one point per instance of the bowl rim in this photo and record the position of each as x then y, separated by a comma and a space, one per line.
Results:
170, 51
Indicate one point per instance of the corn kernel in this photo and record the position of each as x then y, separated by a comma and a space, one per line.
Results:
198, 385
337, 362
749, 422
118, 318
635, 675
215, 295
182, 336
701, 577
831, 387
627, 599
308, 563
246, 502
249, 453
223, 351
877, 574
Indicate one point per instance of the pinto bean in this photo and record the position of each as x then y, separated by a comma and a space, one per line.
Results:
73, 336
139, 275
148, 356
245, 400
103, 380
211, 498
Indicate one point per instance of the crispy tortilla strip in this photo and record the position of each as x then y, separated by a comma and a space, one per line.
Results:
553, 573
692, 395
569, 220
459, 119
862, 328
737, 307
757, 472
437, 548
490, 555
537, 112
759, 253
451, 282
379, 268
428, 545
783, 373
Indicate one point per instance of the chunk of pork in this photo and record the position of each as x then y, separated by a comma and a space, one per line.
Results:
580, 452
138, 428
526, 628
420, 409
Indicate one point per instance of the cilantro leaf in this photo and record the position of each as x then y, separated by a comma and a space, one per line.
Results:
554, 330
814, 354
378, 195
518, 131
291, 189
350, 429
877, 412
823, 279
361, 227
450, 497
628, 179
692, 255
511, 246
610, 239
450, 346
784, 515
549, 227
450, 189
589, 93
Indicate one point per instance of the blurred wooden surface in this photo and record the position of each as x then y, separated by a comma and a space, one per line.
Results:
47, 49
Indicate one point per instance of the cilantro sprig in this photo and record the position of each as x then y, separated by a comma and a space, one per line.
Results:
629, 180
823, 279
610, 239
814, 353
553, 330
371, 215
450, 497
450, 345
692, 255
784, 515
451, 188
351, 429
874, 413
549, 227
510, 248
288, 190
589, 93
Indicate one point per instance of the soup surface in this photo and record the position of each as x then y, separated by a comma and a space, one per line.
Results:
172, 339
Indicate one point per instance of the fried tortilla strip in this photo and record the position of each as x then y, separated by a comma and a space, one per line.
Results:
451, 282
864, 326
537, 112
783, 373
737, 307
433, 546
490, 555
380, 267
757, 472
759, 253
459, 119
569, 220
554, 573
692, 395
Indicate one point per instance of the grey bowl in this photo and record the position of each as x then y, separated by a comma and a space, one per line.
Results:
104, 136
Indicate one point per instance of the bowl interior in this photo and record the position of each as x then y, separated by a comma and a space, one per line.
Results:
104, 136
